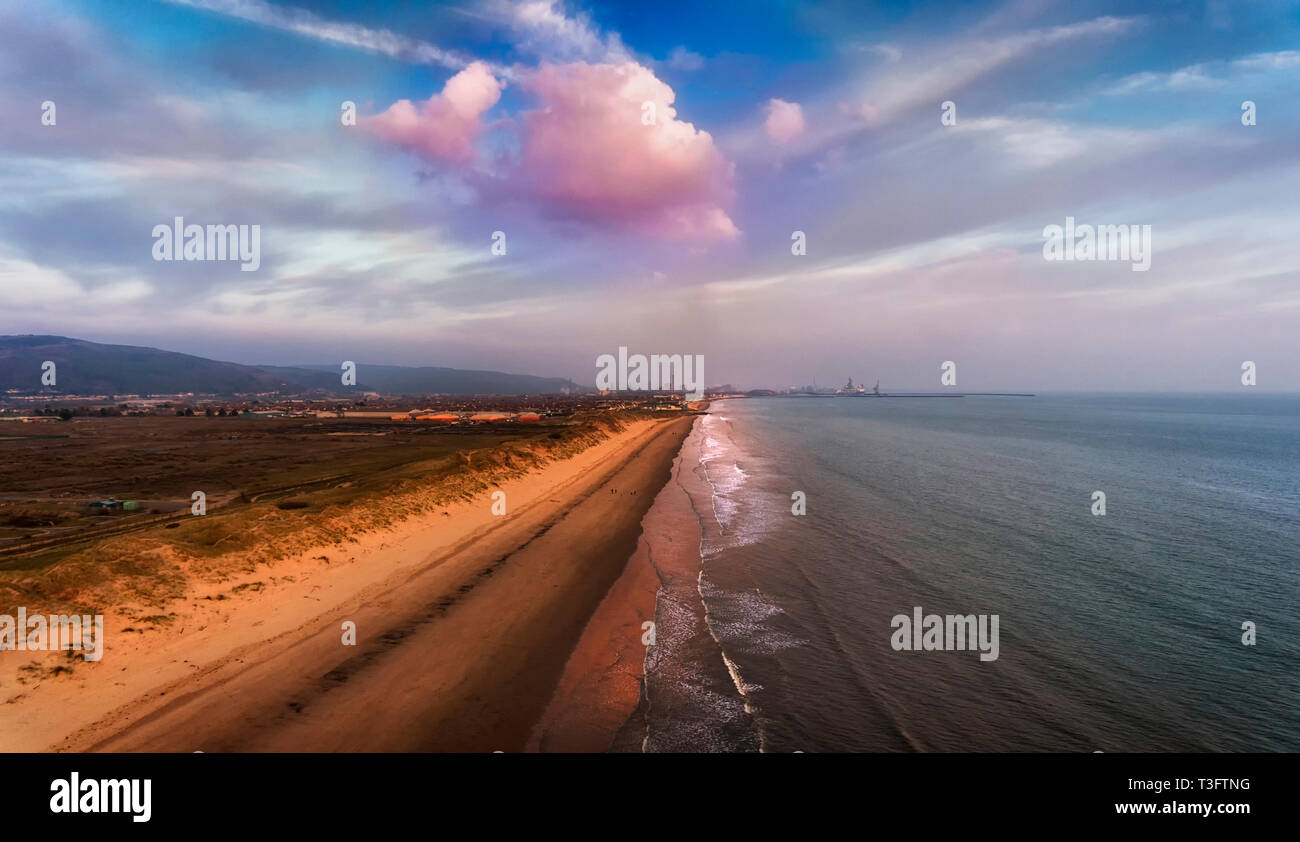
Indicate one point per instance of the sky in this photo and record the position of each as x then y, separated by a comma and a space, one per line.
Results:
646, 168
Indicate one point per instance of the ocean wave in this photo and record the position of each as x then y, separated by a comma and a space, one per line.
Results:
691, 703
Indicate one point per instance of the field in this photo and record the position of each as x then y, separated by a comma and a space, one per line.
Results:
264, 480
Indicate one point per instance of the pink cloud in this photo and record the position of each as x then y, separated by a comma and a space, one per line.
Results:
784, 120
867, 113
589, 152
444, 126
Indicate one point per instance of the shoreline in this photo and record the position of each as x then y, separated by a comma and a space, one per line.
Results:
615, 687
464, 623
599, 703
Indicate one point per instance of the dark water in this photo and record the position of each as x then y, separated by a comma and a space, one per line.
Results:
1120, 632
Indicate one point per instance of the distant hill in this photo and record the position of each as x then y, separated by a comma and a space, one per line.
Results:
91, 368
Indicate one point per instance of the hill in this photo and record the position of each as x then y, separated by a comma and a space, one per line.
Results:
92, 368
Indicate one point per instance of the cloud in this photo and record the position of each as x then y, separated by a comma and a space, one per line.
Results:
1193, 77
1207, 76
888, 52
443, 127
784, 120
931, 76
1284, 60
591, 150
1038, 143
588, 152
683, 59
20, 279
902, 80
544, 30
309, 25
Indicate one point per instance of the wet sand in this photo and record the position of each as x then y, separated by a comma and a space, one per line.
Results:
599, 695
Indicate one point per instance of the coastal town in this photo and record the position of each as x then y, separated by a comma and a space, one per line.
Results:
436, 409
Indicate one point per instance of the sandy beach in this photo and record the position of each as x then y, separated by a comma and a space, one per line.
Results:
601, 700
464, 624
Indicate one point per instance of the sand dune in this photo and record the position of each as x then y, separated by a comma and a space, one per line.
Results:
464, 623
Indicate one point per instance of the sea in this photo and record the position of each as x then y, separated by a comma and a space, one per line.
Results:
1169, 623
